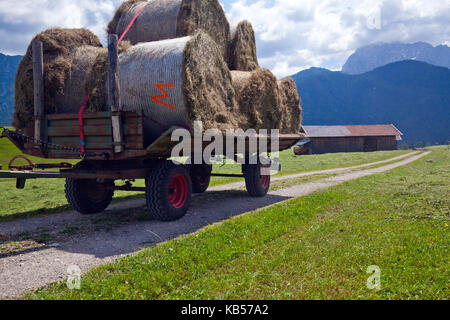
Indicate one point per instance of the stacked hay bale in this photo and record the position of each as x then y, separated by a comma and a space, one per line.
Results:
259, 98
269, 104
242, 47
291, 117
201, 83
186, 44
202, 87
169, 19
62, 48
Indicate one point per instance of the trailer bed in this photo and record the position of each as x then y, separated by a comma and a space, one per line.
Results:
62, 139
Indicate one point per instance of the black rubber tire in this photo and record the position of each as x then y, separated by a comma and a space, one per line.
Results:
201, 177
157, 191
254, 180
88, 196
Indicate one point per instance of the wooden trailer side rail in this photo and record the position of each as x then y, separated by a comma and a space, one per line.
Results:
63, 130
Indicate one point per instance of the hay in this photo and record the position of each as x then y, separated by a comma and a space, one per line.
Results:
291, 109
96, 78
243, 48
74, 92
123, 9
259, 98
194, 65
59, 45
169, 19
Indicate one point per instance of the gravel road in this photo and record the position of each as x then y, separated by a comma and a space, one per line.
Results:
124, 228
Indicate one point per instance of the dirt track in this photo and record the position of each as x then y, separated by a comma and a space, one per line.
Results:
124, 229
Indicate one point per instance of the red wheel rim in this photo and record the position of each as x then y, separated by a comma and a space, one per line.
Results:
178, 191
265, 180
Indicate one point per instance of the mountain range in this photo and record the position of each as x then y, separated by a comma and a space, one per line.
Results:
8, 67
413, 95
377, 55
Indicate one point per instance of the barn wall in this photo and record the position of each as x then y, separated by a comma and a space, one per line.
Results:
335, 145
352, 144
387, 143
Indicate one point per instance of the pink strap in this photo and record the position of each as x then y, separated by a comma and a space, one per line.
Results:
131, 23
80, 122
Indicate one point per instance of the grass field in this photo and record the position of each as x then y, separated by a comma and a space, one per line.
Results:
315, 247
47, 196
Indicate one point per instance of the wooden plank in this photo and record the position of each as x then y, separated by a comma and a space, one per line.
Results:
113, 92
91, 115
90, 131
113, 87
128, 119
74, 123
74, 131
96, 142
74, 116
38, 86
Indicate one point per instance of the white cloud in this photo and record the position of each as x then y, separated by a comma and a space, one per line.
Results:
19, 23
293, 35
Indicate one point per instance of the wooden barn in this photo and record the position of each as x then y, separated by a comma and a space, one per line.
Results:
362, 138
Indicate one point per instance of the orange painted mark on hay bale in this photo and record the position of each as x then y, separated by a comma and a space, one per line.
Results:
156, 98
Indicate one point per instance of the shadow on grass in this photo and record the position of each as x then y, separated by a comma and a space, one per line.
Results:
123, 231
55, 210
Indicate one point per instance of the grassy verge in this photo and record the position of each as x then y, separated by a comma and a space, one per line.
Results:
315, 247
47, 196
292, 164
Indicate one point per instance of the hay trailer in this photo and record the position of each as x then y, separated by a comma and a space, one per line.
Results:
114, 149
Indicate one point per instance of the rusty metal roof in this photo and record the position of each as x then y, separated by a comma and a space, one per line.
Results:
352, 131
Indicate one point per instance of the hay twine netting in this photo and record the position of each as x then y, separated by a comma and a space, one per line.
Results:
194, 65
169, 19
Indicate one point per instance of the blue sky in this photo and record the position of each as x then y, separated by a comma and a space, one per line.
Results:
292, 35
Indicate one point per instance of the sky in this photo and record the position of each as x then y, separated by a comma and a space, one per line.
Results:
292, 35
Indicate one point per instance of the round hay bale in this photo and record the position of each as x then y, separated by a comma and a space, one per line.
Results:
292, 110
169, 19
74, 91
259, 98
59, 46
243, 48
193, 73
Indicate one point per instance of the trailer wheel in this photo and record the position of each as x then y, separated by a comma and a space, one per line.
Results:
258, 185
169, 191
89, 196
201, 177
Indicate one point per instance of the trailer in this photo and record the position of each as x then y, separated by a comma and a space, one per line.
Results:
113, 148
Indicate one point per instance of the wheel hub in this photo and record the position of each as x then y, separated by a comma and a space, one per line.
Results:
265, 179
178, 191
